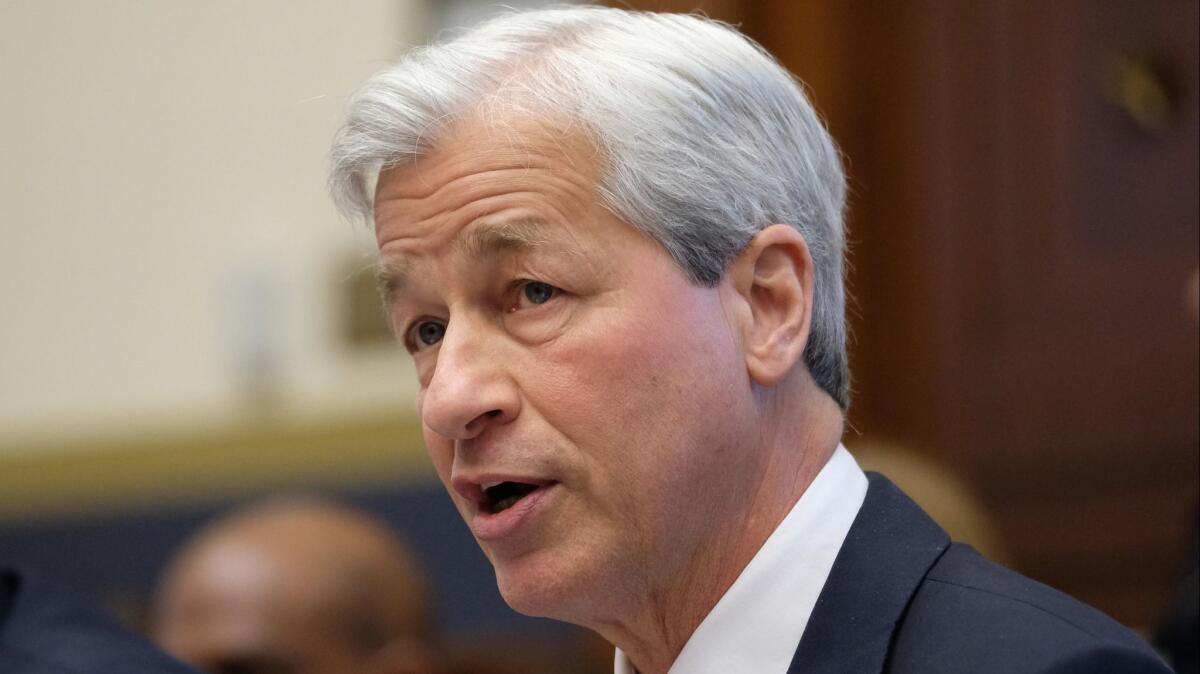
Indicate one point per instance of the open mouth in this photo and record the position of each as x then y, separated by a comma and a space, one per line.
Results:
500, 496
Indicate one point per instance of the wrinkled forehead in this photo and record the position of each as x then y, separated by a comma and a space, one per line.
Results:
490, 138
514, 172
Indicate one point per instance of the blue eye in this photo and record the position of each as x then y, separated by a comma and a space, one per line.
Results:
429, 333
538, 292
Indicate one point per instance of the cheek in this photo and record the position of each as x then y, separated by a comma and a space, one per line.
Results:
441, 453
638, 392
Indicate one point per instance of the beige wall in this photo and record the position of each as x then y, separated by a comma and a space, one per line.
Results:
159, 161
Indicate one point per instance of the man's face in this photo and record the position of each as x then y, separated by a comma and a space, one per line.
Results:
582, 401
239, 610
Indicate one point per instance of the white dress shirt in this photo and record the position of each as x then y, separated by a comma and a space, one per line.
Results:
757, 624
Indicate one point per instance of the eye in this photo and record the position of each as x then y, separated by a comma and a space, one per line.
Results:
536, 292
425, 333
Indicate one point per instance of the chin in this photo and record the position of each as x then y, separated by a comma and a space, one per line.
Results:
538, 595
537, 587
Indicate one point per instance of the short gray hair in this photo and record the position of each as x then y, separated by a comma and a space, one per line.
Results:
706, 138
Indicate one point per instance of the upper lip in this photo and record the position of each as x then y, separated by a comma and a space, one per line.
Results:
472, 487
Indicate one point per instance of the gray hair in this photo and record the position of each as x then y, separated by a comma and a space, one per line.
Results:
706, 138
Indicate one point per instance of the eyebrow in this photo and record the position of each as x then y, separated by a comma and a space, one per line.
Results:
486, 239
489, 238
389, 278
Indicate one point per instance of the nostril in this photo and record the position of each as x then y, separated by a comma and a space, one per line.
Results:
483, 420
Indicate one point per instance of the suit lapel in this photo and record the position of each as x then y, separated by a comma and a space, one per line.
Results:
889, 549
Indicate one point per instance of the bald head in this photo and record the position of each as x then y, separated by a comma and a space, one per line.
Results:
295, 586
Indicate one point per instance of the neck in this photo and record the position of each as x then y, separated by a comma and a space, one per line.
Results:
794, 449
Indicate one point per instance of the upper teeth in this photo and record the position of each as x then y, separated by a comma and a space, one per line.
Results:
488, 485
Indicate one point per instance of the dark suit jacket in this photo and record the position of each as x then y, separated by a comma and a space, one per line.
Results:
901, 598
44, 631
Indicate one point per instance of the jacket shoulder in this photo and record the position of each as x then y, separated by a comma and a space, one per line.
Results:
43, 630
969, 614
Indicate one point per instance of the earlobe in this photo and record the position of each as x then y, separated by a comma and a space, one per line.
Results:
774, 276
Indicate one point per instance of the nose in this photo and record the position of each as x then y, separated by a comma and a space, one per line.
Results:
471, 390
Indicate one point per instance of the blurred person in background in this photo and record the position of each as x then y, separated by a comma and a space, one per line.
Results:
612, 242
296, 586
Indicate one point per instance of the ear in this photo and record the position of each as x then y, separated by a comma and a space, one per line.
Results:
774, 278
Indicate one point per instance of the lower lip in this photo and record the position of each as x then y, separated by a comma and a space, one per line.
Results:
495, 526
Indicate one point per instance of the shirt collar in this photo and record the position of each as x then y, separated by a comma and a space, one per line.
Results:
757, 624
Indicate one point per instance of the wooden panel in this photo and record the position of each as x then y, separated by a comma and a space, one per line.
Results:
1089, 359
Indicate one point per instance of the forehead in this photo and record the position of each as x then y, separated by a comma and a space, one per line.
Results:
483, 167
492, 186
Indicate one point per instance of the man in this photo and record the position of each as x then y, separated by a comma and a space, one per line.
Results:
294, 587
612, 242
43, 630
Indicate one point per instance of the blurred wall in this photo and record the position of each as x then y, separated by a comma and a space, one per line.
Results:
169, 249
